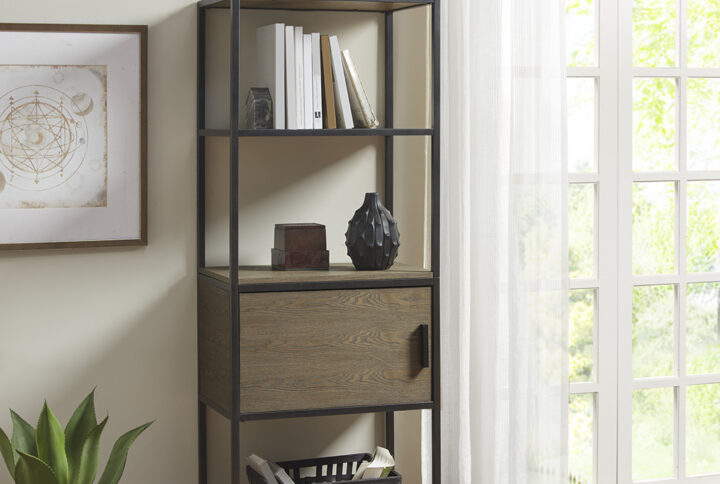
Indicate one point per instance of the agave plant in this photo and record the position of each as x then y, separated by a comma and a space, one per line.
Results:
49, 455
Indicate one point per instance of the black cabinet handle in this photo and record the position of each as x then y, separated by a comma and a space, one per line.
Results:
425, 345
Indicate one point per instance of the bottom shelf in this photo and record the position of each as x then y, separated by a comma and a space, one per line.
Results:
321, 412
339, 469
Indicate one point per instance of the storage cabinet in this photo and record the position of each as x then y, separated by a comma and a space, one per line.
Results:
329, 349
275, 344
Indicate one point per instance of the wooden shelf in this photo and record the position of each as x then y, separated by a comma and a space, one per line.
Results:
259, 278
243, 133
331, 5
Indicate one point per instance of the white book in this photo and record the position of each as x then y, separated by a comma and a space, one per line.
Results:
299, 78
308, 81
344, 113
262, 467
280, 474
317, 82
381, 464
271, 67
290, 80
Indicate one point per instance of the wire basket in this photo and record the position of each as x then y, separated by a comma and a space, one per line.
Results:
338, 469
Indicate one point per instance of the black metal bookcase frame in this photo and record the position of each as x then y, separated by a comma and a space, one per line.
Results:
234, 133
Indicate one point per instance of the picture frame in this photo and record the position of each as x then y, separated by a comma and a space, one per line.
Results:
73, 136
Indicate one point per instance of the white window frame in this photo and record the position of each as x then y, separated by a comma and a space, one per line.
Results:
626, 280
604, 386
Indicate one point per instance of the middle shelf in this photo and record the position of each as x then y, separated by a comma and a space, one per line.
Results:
340, 276
320, 132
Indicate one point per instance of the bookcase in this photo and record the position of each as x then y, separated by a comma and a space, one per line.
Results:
277, 345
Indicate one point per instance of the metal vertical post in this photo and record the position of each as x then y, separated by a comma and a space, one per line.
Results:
389, 171
390, 431
234, 234
202, 408
389, 112
200, 139
202, 442
436, 412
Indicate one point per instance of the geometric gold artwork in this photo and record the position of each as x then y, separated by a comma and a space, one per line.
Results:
73, 136
53, 137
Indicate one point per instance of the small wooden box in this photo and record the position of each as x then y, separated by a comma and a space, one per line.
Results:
300, 247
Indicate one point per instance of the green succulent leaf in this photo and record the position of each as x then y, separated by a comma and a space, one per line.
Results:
23, 437
6, 449
31, 470
50, 439
82, 422
116, 463
87, 469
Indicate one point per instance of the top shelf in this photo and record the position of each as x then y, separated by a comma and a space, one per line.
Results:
336, 5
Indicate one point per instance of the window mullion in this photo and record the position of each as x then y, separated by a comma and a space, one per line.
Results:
682, 240
624, 240
607, 249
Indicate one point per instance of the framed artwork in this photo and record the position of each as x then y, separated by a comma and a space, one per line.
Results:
73, 136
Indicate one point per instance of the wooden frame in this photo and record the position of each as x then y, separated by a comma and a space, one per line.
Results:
139, 237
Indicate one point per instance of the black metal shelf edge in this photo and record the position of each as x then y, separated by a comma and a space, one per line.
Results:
253, 133
377, 6
245, 417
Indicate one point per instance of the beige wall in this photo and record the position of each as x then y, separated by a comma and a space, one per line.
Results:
124, 319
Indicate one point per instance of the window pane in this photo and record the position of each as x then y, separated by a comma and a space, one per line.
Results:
581, 428
581, 124
581, 221
653, 232
703, 328
652, 433
582, 321
703, 33
580, 34
703, 231
654, 124
703, 429
653, 349
703, 108
654, 33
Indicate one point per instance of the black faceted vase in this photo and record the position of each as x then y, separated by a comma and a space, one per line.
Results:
372, 237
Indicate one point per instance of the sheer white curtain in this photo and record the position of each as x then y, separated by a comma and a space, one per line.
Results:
504, 248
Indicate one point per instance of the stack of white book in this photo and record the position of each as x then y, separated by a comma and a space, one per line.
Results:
312, 83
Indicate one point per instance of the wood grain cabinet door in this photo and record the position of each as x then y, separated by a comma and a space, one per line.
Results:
329, 349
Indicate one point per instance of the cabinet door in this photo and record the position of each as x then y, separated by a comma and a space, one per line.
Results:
333, 349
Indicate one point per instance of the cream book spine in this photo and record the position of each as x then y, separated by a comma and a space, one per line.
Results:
290, 91
343, 110
299, 77
317, 82
308, 81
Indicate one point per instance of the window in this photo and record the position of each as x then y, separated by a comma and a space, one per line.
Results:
644, 240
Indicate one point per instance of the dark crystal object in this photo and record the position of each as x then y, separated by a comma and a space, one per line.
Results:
259, 108
372, 237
